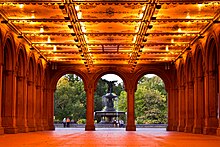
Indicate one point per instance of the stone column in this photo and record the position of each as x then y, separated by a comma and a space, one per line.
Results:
30, 107
189, 107
9, 110
176, 107
218, 130
1, 74
182, 111
90, 108
39, 106
172, 110
211, 121
21, 104
198, 105
45, 110
130, 109
50, 108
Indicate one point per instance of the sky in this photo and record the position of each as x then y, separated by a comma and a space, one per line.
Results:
113, 77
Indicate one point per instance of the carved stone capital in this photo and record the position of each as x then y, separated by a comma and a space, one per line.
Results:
29, 83
20, 78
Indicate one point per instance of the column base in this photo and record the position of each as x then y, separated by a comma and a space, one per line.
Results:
90, 128
1, 130
32, 129
209, 131
180, 129
174, 128
51, 127
131, 128
218, 131
45, 127
10, 130
22, 129
188, 129
169, 128
40, 128
197, 130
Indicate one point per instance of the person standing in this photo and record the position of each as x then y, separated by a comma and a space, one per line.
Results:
68, 122
64, 122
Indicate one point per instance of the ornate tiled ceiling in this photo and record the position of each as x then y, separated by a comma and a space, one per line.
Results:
120, 32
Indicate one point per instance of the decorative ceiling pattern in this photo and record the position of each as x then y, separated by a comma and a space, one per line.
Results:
120, 32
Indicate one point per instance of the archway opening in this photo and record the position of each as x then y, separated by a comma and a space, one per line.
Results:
110, 102
151, 102
70, 102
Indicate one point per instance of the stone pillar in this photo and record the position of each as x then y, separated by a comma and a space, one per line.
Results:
182, 111
30, 107
45, 110
218, 130
172, 110
1, 74
130, 109
176, 109
211, 121
9, 110
90, 108
189, 107
39, 105
198, 106
21, 109
50, 108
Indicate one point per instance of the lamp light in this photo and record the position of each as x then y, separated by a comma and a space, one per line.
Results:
41, 29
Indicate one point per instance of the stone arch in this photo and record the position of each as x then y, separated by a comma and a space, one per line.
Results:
21, 89
62, 72
189, 98
162, 74
31, 69
31, 97
21, 63
212, 85
101, 73
9, 52
181, 96
39, 73
199, 106
39, 96
189, 70
8, 88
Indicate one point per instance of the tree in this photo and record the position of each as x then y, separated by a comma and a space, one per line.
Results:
70, 98
150, 101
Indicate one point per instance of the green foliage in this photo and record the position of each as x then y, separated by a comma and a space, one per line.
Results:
122, 101
70, 98
81, 121
150, 101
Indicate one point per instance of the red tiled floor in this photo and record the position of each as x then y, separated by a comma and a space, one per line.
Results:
116, 137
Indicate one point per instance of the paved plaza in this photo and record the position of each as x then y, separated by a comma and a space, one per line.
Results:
103, 137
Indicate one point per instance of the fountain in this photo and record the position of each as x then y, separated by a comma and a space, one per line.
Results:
109, 114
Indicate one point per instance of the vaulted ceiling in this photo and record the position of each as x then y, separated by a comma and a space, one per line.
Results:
120, 32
